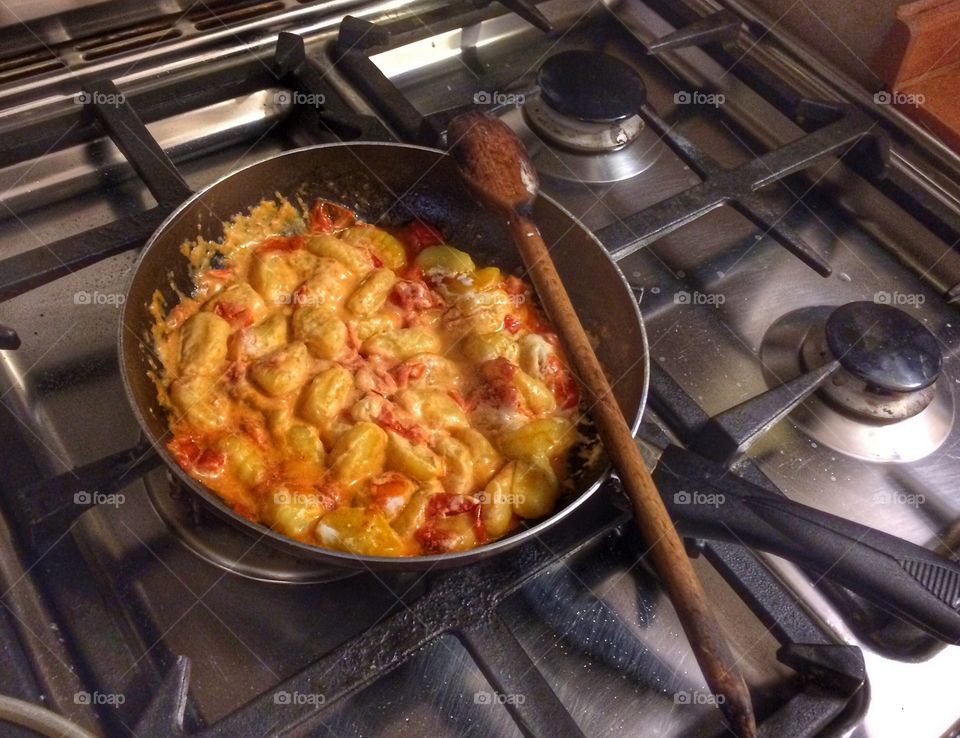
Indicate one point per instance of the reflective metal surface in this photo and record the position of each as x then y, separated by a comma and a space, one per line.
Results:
710, 293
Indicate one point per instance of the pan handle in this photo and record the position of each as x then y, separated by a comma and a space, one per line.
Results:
706, 501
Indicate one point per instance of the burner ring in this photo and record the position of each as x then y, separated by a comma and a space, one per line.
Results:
591, 86
579, 135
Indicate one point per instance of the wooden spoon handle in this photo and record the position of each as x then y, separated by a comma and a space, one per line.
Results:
669, 555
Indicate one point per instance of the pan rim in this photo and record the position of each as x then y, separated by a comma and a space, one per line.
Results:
343, 558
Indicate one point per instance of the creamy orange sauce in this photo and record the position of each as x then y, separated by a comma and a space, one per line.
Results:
363, 389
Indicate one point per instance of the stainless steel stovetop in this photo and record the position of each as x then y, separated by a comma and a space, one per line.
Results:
131, 596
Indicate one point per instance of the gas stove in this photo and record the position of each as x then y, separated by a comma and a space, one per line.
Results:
779, 229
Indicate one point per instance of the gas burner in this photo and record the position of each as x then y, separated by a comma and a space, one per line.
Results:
585, 124
885, 402
214, 541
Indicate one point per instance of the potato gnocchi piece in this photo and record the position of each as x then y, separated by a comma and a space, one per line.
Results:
458, 466
327, 287
354, 258
326, 395
486, 459
380, 243
203, 344
240, 305
385, 320
324, 334
415, 460
431, 371
201, 404
372, 293
445, 260
434, 408
305, 444
414, 513
359, 531
266, 336
496, 507
477, 312
535, 489
535, 353
283, 371
292, 511
243, 458
537, 396
543, 438
402, 343
359, 454
272, 276
488, 346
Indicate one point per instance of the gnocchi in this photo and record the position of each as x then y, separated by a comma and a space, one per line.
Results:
353, 387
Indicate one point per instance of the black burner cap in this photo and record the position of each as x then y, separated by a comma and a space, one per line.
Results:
884, 346
591, 86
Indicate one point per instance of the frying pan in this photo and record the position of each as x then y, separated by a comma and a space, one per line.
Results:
392, 183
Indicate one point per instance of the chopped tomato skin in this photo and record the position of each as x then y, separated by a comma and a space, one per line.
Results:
412, 432
196, 460
511, 323
417, 235
413, 295
327, 216
236, 316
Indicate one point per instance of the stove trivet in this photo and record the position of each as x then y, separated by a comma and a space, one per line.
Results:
217, 543
885, 402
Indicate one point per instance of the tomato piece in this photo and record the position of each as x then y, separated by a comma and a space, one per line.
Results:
417, 235
280, 243
412, 295
210, 461
196, 460
185, 450
407, 371
327, 216
511, 323
560, 381
412, 431
236, 315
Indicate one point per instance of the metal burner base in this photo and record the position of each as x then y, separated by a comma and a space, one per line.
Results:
898, 442
217, 543
636, 157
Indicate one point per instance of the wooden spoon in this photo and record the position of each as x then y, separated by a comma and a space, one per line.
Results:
495, 165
